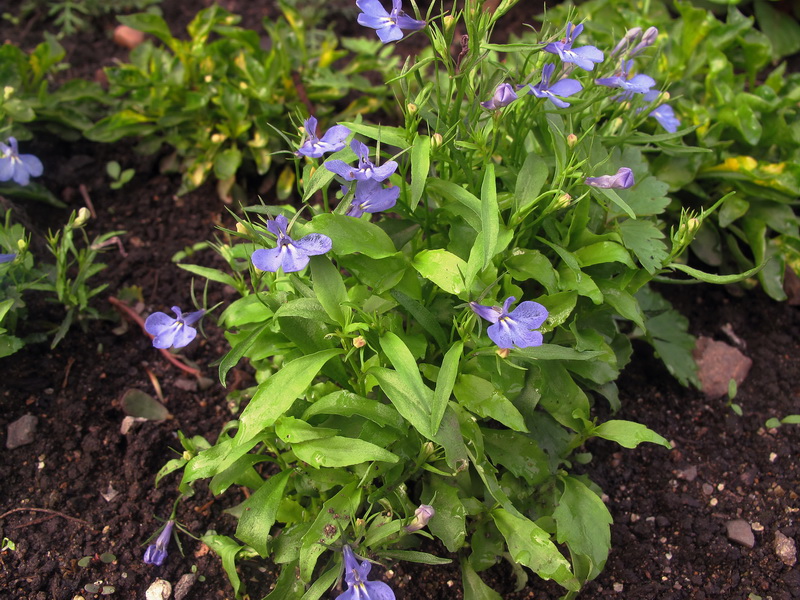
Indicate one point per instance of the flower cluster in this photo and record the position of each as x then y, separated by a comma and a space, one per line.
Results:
585, 56
18, 167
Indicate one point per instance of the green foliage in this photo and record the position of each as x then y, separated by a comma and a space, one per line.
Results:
67, 280
219, 99
71, 16
27, 99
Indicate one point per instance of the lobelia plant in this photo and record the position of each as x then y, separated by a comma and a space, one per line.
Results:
378, 392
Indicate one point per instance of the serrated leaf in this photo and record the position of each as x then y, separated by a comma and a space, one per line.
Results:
643, 238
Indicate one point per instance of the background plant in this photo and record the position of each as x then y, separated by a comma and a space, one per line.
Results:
219, 98
71, 16
731, 87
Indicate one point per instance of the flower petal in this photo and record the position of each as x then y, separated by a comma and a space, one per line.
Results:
314, 244
267, 259
158, 322
529, 314
341, 168
32, 164
392, 33
372, 8
490, 313
377, 590
501, 335
166, 337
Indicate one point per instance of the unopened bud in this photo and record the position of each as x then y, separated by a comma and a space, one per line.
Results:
421, 517
82, 218
627, 40
693, 225
240, 228
359, 342
22, 245
217, 138
647, 40
412, 108
503, 352
436, 140
448, 21
7, 91
572, 139
428, 448
563, 201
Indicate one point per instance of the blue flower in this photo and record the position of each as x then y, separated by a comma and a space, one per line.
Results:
289, 255
388, 26
563, 87
622, 180
648, 38
169, 332
16, 166
663, 114
638, 84
366, 169
423, 514
513, 328
629, 38
584, 57
332, 141
4, 258
358, 588
156, 553
504, 95
372, 197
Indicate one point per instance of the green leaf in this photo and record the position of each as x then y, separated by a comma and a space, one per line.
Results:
149, 23
422, 316
783, 31
322, 584
442, 268
288, 586
532, 264
235, 354
420, 165
643, 238
422, 558
249, 309
259, 511
615, 198
530, 545
329, 289
601, 253
583, 523
710, 278
481, 397
391, 136
227, 162
136, 403
211, 274
277, 394
293, 431
333, 517
445, 381
413, 407
227, 550
490, 213
530, 180
351, 235
349, 404
455, 193
474, 587
553, 352
518, 453
747, 121
449, 523
628, 434
340, 451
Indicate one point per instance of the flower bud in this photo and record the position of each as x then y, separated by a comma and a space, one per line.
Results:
240, 228
412, 108
359, 342
563, 201
7, 91
82, 218
503, 352
421, 517
22, 245
448, 21
436, 140
572, 139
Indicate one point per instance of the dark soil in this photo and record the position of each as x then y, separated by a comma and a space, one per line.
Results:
670, 507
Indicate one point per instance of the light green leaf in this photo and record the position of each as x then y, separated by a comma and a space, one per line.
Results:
455, 193
349, 404
643, 238
329, 289
351, 235
583, 523
211, 274
449, 522
628, 434
474, 587
530, 545
530, 180
420, 164
259, 510
444, 384
422, 316
442, 268
481, 397
340, 451
414, 408
227, 550
391, 136
490, 213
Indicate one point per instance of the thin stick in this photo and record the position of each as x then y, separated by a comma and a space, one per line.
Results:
48, 511
85, 193
131, 314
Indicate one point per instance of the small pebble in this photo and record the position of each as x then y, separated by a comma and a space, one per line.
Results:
618, 587
21, 432
127, 37
160, 589
786, 549
739, 531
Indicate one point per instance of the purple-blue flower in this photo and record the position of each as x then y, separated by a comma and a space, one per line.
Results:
513, 328
4, 258
423, 514
365, 169
629, 38
622, 180
648, 38
504, 95
172, 333
289, 255
372, 197
663, 114
16, 166
563, 87
332, 141
156, 553
358, 588
638, 84
388, 26
584, 57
